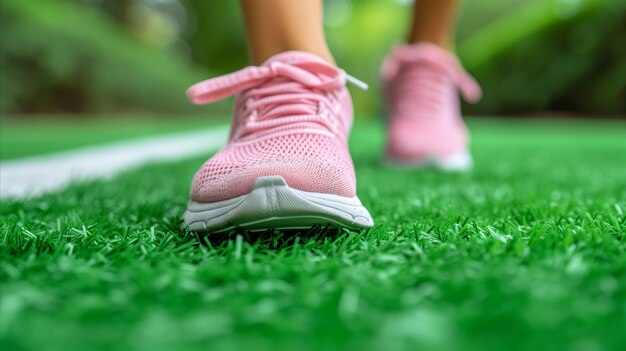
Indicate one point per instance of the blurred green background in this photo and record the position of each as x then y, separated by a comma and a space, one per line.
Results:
89, 57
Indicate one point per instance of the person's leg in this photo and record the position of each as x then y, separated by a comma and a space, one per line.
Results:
422, 80
275, 26
434, 22
287, 163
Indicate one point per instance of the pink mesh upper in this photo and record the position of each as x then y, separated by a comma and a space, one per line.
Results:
291, 117
421, 84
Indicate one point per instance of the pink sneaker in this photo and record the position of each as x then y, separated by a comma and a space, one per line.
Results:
425, 124
286, 165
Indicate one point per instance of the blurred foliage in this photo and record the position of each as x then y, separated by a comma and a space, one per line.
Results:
60, 56
552, 55
140, 55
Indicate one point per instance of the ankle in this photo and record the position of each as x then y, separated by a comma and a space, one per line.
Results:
444, 43
259, 55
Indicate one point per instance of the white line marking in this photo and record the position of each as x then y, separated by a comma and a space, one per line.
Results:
37, 175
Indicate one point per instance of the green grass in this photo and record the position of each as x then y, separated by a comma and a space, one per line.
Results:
526, 252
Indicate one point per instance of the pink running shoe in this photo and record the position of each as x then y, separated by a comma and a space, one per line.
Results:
286, 165
421, 82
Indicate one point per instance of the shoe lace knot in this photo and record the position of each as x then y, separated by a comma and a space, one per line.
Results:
280, 94
439, 59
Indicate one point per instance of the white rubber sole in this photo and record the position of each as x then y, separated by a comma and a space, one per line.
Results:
272, 204
459, 162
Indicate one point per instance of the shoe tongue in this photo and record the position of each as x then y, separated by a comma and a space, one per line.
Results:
296, 57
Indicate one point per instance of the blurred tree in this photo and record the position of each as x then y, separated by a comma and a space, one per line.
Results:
118, 10
552, 55
60, 56
216, 34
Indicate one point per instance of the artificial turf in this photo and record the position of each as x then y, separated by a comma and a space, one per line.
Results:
525, 252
